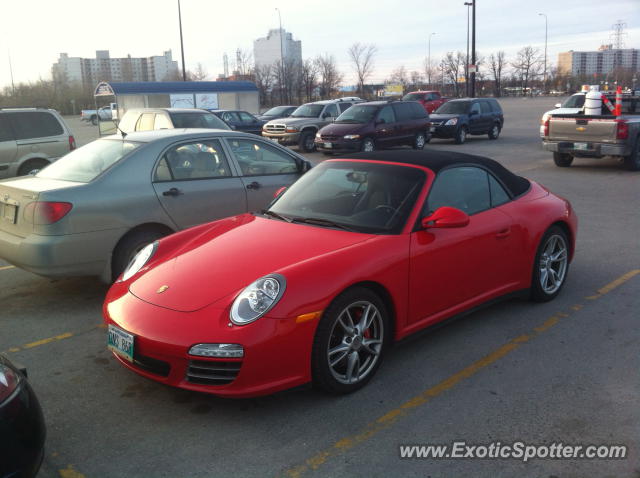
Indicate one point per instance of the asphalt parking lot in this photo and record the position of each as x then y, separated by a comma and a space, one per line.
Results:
564, 371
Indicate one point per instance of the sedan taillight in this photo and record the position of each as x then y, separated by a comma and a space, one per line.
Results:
43, 213
8, 382
72, 143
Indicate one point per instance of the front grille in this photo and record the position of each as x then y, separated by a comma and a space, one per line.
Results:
275, 128
329, 137
155, 366
206, 372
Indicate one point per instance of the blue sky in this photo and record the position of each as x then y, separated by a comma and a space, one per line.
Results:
44, 28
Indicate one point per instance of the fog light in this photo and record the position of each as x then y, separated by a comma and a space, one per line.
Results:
217, 350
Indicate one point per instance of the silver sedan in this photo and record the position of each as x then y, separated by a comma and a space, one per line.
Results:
91, 211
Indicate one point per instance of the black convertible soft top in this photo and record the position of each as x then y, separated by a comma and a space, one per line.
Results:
437, 160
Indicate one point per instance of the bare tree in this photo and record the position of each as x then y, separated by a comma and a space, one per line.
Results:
362, 57
308, 78
330, 77
496, 65
454, 68
527, 66
244, 62
400, 76
431, 72
199, 74
415, 79
264, 78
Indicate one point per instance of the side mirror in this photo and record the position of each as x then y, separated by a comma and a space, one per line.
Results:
558, 105
305, 166
279, 192
445, 217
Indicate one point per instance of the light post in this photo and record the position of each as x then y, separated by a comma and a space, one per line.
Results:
472, 78
281, 57
184, 71
429, 60
545, 50
466, 65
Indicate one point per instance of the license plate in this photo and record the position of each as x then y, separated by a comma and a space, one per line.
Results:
275, 140
328, 145
120, 342
10, 213
432, 129
581, 146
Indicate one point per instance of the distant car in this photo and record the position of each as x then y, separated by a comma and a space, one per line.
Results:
22, 427
105, 113
430, 100
30, 139
277, 112
93, 210
458, 118
240, 120
358, 254
376, 125
149, 119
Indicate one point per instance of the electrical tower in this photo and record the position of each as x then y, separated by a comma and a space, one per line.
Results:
618, 35
225, 61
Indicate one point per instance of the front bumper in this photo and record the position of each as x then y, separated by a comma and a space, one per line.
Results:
442, 131
286, 139
338, 145
592, 149
277, 352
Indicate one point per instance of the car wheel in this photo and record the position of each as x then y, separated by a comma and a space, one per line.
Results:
306, 143
632, 162
129, 246
32, 166
550, 266
419, 141
562, 160
94, 120
495, 131
368, 145
461, 135
350, 341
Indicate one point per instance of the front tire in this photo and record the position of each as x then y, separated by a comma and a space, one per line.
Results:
94, 120
368, 145
562, 160
306, 142
129, 246
550, 266
495, 131
461, 135
419, 141
350, 341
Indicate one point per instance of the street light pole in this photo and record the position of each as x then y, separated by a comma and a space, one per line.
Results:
545, 50
13, 86
281, 57
472, 78
466, 66
184, 70
429, 61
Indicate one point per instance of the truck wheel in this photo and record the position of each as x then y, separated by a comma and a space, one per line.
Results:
632, 162
94, 120
461, 135
562, 160
306, 142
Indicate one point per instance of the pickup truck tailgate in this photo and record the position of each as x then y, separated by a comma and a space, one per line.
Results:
583, 129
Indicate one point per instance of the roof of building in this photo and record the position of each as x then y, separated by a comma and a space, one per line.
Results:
172, 87
438, 160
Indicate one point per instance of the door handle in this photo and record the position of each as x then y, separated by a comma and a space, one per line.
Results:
253, 185
172, 192
503, 233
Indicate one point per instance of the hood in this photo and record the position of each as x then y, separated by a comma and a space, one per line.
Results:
443, 116
294, 121
341, 129
230, 255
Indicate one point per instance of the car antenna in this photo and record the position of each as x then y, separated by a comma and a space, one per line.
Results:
124, 135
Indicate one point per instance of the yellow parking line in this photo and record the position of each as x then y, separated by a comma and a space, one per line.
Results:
390, 418
70, 472
5, 268
48, 340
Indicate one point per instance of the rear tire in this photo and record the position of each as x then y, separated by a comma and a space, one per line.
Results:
129, 246
632, 162
94, 120
550, 266
562, 160
306, 142
32, 165
461, 135
494, 132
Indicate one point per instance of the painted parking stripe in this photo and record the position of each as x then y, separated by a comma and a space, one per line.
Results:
390, 418
49, 340
6, 268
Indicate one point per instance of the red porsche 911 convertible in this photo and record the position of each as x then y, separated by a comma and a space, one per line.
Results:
355, 255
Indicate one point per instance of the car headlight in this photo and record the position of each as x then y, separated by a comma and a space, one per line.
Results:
291, 129
257, 299
9, 381
452, 122
318, 136
352, 136
139, 261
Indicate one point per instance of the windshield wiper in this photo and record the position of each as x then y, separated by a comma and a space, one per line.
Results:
266, 212
322, 222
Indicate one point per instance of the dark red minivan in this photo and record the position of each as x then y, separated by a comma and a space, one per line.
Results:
376, 125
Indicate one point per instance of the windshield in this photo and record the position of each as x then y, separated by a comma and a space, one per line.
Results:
363, 196
454, 107
575, 101
413, 97
197, 120
278, 110
308, 111
86, 163
357, 114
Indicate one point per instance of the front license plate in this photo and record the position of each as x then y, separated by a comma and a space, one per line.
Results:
120, 342
328, 145
275, 140
9, 213
581, 146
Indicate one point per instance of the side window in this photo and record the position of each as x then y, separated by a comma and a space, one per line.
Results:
344, 106
196, 160
162, 122
246, 118
6, 134
229, 117
145, 123
256, 157
498, 194
464, 188
402, 111
475, 107
484, 106
435, 96
36, 124
418, 111
331, 110
387, 115
495, 106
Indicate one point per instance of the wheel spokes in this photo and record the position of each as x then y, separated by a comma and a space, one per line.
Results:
353, 364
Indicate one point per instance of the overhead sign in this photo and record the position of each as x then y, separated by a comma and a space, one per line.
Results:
393, 90
207, 101
103, 89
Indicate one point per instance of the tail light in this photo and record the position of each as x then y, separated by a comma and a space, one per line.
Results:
622, 129
43, 213
8, 382
72, 143
545, 126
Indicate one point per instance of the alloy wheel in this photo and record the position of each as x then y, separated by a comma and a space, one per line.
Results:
553, 264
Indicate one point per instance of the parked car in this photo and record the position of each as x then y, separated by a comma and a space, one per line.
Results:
430, 100
30, 139
376, 125
90, 212
240, 120
277, 112
301, 127
458, 118
356, 255
149, 119
22, 427
106, 113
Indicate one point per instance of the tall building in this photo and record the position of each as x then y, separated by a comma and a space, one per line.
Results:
90, 71
267, 51
600, 62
